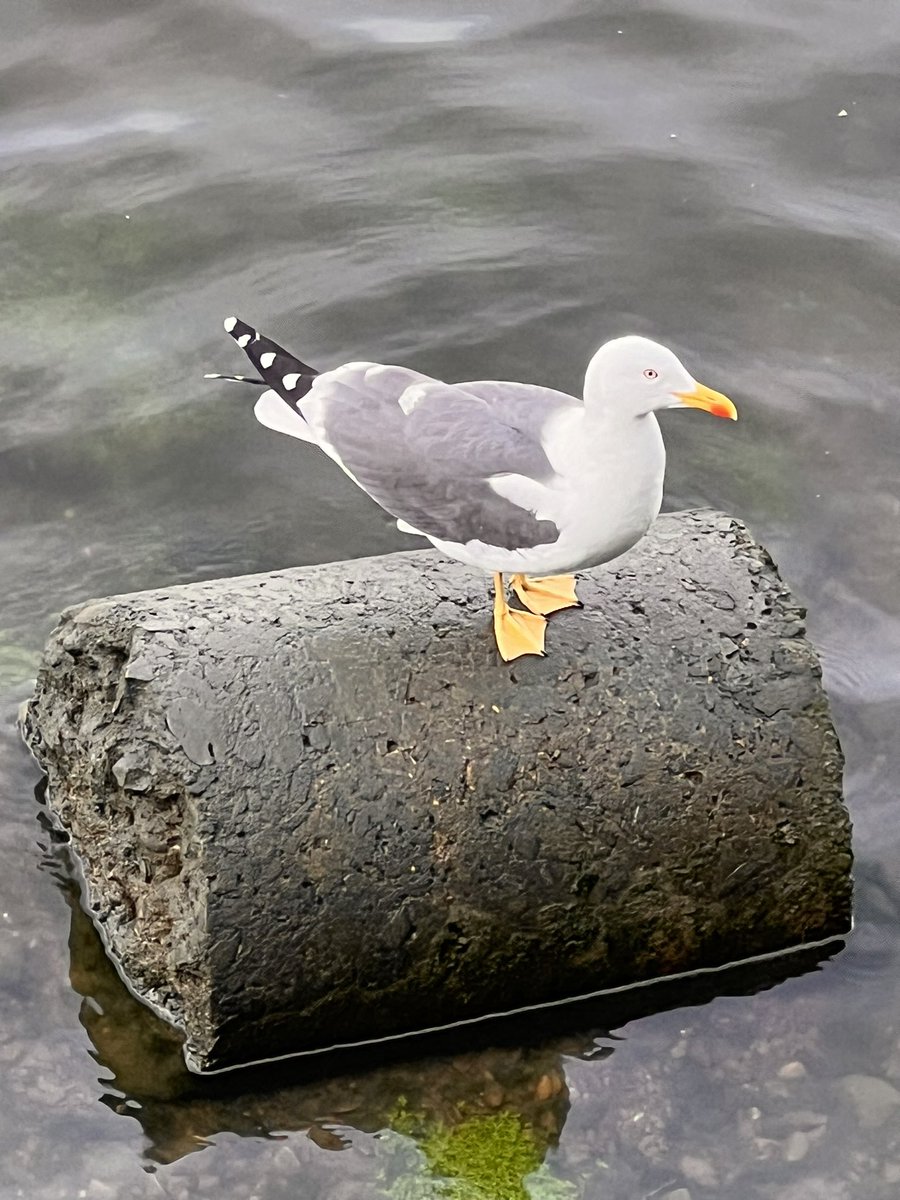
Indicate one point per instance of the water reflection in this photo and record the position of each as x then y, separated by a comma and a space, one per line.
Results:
506, 1080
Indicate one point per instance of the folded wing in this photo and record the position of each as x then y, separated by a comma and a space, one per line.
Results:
431, 453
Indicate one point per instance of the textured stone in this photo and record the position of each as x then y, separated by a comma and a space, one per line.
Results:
792, 1070
311, 812
874, 1100
796, 1147
699, 1170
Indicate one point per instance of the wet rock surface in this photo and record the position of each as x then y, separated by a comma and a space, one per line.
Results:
310, 812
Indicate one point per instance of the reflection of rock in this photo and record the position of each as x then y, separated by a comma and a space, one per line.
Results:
311, 815
143, 1052
523, 1077
179, 1111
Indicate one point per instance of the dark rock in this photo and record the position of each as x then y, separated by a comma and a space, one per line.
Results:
307, 817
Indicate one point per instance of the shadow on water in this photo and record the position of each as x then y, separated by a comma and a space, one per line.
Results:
498, 1089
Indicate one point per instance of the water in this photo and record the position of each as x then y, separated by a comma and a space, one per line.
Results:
474, 192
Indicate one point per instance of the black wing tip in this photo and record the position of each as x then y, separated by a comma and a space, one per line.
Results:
280, 369
242, 333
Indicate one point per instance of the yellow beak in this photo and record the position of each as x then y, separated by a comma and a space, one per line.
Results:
709, 401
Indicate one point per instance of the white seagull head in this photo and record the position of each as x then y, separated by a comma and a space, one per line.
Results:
635, 376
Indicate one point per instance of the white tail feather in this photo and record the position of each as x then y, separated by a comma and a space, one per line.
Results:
270, 410
405, 527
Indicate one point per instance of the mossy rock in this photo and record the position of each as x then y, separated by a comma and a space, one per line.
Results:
494, 1156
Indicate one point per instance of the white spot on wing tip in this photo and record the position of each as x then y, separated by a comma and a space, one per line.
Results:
229, 323
243, 340
290, 381
266, 360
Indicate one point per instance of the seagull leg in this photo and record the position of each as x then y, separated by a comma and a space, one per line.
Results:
547, 595
517, 632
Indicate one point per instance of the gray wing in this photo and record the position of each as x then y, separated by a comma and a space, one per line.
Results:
426, 450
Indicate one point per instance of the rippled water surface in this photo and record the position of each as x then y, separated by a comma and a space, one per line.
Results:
476, 192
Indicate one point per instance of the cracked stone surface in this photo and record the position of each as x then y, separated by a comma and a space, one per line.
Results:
313, 806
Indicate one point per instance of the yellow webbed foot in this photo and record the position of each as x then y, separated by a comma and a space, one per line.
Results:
545, 596
519, 633
516, 632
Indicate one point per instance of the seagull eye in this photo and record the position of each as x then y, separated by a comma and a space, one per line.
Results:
651, 374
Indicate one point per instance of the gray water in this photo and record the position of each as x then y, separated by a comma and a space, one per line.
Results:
475, 192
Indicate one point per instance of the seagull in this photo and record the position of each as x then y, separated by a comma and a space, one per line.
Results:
509, 478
